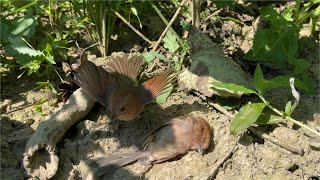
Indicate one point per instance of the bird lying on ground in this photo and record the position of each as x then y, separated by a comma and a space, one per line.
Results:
166, 142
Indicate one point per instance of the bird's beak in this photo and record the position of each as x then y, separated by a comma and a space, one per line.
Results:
200, 150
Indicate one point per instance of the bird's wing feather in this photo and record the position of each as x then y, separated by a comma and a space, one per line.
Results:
95, 81
128, 67
158, 84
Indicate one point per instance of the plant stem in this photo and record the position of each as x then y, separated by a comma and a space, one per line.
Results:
133, 28
289, 118
103, 28
22, 8
296, 10
168, 26
166, 22
196, 13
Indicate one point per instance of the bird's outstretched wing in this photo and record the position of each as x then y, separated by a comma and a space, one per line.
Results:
127, 67
159, 84
94, 80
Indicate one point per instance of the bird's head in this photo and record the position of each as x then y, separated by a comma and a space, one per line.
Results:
125, 104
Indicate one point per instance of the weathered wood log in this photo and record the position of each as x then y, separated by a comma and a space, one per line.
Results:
40, 158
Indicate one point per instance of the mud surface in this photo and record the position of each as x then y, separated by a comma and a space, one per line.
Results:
95, 136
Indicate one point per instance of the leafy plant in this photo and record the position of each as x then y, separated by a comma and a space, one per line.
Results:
300, 13
15, 36
101, 14
30, 50
278, 45
252, 113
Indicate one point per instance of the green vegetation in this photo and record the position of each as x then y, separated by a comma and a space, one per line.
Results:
36, 37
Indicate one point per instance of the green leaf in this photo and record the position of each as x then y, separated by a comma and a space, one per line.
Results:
282, 81
177, 62
232, 88
42, 83
163, 97
300, 65
135, 12
288, 108
275, 45
25, 26
247, 116
53, 90
274, 48
50, 59
258, 77
21, 47
149, 56
5, 32
38, 108
33, 66
170, 42
287, 14
268, 119
221, 4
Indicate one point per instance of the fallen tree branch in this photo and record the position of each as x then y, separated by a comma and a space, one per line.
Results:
40, 159
289, 147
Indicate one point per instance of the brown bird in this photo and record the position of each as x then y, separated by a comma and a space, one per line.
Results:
170, 140
117, 87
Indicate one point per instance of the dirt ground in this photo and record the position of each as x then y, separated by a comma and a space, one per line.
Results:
251, 158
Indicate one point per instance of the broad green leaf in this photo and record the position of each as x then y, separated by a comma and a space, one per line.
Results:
278, 22
282, 81
24, 26
247, 116
232, 88
268, 119
263, 43
275, 45
287, 109
21, 47
209, 64
170, 42
149, 56
5, 32
163, 97
300, 65
258, 77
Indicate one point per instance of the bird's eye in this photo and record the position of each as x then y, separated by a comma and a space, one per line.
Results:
122, 109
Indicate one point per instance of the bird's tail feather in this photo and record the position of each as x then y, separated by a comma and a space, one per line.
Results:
107, 165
